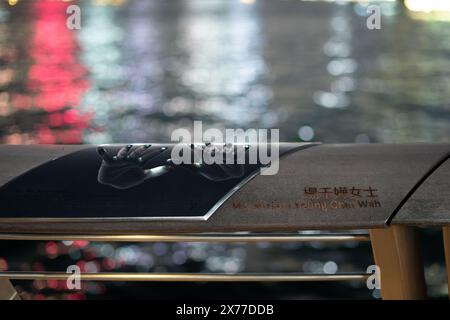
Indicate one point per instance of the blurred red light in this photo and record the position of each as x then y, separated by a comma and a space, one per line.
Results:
56, 77
51, 248
53, 284
3, 264
80, 243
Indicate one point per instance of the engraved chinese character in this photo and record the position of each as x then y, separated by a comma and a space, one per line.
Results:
340, 191
325, 192
355, 192
371, 192
311, 191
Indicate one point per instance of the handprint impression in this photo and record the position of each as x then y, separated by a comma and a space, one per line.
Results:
127, 168
215, 172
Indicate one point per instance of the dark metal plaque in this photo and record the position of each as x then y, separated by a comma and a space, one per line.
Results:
123, 182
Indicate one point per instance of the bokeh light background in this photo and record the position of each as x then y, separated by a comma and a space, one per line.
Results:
139, 69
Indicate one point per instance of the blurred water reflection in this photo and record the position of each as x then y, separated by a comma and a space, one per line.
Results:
152, 66
138, 69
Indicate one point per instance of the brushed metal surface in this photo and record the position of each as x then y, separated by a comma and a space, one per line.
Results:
228, 238
7, 291
15, 160
392, 170
430, 203
186, 277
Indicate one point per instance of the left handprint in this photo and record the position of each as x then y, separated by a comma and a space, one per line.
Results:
126, 169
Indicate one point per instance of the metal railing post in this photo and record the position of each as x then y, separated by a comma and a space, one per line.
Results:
397, 252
